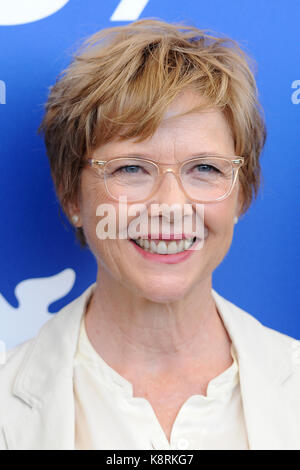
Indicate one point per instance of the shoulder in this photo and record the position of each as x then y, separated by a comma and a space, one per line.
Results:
248, 329
14, 356
9, 404
247, 319
56, 339
13, 361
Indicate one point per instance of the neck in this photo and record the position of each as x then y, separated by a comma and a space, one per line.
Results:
159, 336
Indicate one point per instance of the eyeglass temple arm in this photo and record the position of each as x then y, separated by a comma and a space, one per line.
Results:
97, 162
238, 161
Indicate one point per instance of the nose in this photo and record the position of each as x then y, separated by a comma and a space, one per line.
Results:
176, 212
169, 191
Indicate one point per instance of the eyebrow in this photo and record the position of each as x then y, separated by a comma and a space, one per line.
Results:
149, 157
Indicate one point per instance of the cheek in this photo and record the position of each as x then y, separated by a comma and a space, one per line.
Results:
219, 216
90, 198
219, 220
96, 210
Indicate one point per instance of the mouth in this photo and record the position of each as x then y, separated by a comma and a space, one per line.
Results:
165, 247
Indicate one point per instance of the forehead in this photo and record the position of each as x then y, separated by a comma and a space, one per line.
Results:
184, 102
183, 132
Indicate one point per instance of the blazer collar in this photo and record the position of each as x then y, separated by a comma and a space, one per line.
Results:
44, 381
265, 359
267, 350
45, 384
50, 357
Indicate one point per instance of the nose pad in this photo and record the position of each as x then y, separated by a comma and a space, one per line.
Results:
169, 190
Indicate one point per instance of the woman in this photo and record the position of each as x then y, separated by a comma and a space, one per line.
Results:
150, 356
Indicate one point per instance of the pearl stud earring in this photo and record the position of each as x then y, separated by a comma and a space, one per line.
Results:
75, 218
235, 220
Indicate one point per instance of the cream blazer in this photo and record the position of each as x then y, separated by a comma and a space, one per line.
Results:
36, 386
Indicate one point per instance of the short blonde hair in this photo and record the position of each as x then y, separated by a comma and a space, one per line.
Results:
120, 83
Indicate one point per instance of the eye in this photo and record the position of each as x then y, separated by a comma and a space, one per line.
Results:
128, 169
205, 168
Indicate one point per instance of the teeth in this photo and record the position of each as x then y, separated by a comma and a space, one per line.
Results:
165, 247
172, 248
180, 245
187, 244
162, 248
152, 246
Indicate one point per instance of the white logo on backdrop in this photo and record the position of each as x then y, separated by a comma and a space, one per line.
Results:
14, 12
128, 10
2, 92
34, 297
296, 95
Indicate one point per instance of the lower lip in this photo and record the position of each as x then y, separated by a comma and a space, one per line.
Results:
168, 259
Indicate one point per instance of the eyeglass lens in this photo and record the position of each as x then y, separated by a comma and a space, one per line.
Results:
206, 179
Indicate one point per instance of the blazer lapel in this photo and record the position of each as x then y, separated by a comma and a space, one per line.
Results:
271, 422
48, 425
45, 384
265, 363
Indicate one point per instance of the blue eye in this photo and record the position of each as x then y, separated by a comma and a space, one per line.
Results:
129, 169
208, 168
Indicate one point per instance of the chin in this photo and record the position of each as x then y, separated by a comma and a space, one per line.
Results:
164, 289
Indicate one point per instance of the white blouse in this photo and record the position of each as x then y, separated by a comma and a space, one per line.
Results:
107, 416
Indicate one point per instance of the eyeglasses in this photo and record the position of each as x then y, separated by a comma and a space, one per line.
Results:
204, 179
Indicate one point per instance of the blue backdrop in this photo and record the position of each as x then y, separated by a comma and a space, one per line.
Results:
42, 266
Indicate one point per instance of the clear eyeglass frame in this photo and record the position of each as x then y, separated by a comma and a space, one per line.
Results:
175, 168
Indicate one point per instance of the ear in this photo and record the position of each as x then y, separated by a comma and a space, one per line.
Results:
240, 201
74, 214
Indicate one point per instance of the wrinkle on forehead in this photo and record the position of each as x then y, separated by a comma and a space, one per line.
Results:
181, 136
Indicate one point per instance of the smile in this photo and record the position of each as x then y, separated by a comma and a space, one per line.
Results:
165, 247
